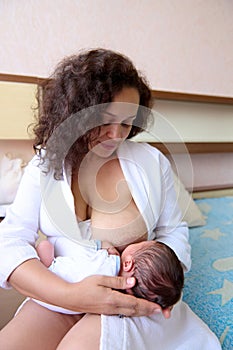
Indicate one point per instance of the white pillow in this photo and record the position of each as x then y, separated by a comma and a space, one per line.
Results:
191, 213
11, 171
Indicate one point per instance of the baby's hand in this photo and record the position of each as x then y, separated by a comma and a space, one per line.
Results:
113, 251
110, 248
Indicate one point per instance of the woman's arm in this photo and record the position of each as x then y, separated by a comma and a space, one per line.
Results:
170, 228
21, 268
94, 294
18, 231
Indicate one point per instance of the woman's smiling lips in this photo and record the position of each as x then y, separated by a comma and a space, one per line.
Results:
109, 145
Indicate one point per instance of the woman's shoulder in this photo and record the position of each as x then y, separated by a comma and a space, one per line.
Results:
37, 169
40, 164
32, 166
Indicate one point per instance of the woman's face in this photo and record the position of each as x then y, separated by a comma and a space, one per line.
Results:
117, 122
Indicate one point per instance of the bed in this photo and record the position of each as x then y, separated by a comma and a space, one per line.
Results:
208, 288
209, 284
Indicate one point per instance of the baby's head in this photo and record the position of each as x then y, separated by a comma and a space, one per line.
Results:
158, 272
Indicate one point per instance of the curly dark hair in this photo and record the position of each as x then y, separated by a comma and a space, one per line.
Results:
79, 82
159, 275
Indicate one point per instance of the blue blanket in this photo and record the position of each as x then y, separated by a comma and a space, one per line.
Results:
209, 284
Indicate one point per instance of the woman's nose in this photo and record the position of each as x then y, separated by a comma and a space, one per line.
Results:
114, 131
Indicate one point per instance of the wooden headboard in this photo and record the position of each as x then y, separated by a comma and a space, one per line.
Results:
192, 147
216, 151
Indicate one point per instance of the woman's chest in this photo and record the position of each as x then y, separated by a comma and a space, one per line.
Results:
104, 196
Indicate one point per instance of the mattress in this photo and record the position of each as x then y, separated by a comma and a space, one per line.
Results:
209, 284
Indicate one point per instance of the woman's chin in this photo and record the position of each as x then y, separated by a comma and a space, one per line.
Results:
104, 150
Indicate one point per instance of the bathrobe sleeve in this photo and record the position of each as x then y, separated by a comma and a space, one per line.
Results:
41, 203
149, 175
18, 231
170, 229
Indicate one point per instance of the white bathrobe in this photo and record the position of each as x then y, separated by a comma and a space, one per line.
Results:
76, 262
46, 204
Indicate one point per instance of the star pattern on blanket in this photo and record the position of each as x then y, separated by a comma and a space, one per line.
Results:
224, 334
230, 222
214, 234
225, 264
226, 291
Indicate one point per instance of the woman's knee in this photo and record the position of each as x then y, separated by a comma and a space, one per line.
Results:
37, 326
85, 335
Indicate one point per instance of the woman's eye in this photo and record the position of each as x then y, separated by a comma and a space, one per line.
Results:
128, 125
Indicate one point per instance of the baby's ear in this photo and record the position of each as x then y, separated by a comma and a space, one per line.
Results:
128, 263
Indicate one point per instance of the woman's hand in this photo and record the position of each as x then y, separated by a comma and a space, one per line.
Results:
167, 312
94, 294
98, 294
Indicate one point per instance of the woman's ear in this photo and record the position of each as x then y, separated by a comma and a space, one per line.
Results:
128, 263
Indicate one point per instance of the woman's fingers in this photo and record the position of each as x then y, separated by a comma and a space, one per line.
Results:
104, 297
125, 304
167, 312
129, 305
117, 282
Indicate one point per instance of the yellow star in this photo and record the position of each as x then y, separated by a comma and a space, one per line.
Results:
214, 234
224, 334
226, 291
225, 264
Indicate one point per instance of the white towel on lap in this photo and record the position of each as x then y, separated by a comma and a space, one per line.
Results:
183, 331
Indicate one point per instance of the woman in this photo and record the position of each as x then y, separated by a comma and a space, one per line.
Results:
90, 183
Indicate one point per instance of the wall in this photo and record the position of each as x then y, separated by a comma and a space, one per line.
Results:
209, 171
17, 149
178, 121
180, 45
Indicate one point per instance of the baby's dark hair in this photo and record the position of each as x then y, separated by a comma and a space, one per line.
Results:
159, 275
